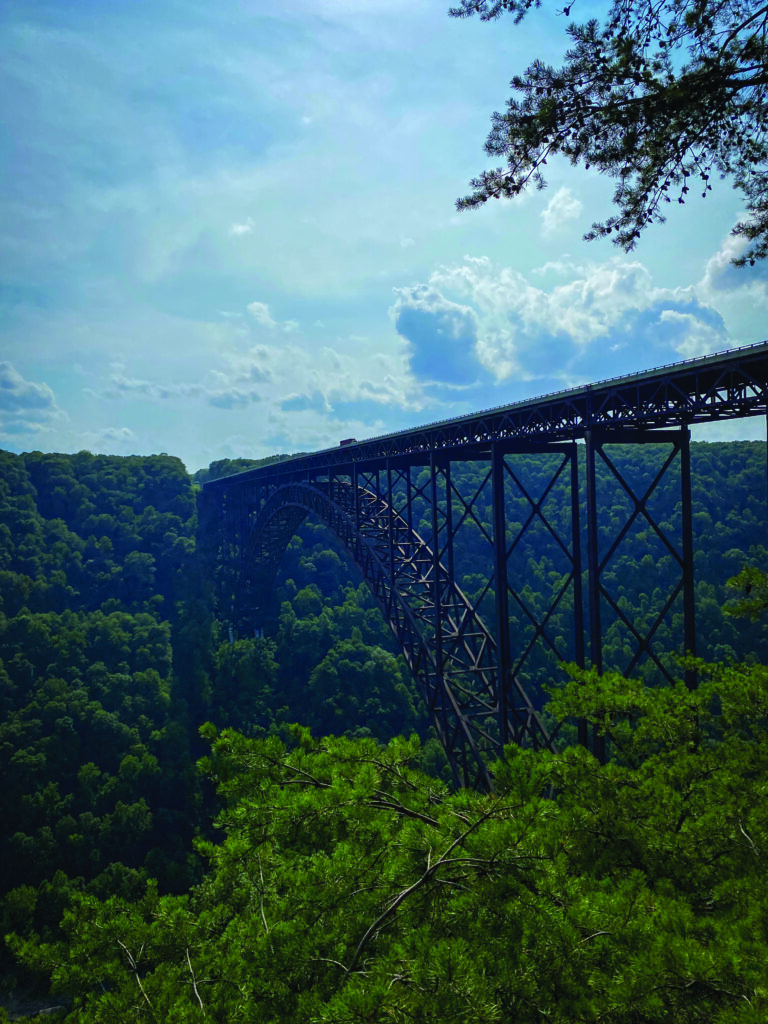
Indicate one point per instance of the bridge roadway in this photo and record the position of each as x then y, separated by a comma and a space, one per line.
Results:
480, 678
727, 385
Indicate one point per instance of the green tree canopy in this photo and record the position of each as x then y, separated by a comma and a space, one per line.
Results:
748, 592
661, 96
351, 888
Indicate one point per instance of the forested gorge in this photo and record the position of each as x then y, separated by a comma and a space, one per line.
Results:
157, 867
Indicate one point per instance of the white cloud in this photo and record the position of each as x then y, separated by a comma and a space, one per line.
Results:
235, 387
118, 434
561, 208
314, 396
18, 394
260, 313
233, 398
453, 316
120, 386
513, 326
441, 334
693, 336
25, 407
740, 294
721, 277
111, 441
592, 303
242, 229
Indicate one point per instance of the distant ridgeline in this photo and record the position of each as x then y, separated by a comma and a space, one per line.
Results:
111, 655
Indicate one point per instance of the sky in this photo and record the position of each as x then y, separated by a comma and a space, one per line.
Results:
229, 230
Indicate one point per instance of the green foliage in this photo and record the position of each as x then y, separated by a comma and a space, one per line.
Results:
99, 787
111, 655
661, 96
749, 590
243, 684
349, 887
227, 467
363, 690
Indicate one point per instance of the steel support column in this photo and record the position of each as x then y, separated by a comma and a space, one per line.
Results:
503, 655
390, 527
593, 560
593, 585
689, 592
641, 633
449, 520
578, 588
408, 497
476, 689
436, 596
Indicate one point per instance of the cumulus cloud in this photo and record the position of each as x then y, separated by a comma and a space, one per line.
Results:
120, 435
441, 334
260, 313
575, 322
300, 403
18, 394
331, 383
241, 382
257, 374
245, 369
690, 335
596, 297
721, 276
312, 396
111, 441
262, 316
561, 208
234, 388
25, 407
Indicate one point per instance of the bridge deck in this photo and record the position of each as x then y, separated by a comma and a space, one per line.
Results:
726, 385
482, 680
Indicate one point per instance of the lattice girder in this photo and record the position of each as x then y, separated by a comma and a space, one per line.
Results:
453, 657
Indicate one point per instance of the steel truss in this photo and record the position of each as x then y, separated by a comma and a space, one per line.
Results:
478, 680
680, 548
403, 507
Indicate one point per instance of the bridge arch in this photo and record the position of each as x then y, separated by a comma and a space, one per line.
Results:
447, 646
472, 678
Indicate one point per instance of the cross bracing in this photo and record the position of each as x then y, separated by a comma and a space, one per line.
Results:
400, 503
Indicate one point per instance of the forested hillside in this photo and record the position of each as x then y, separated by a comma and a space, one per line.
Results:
112, 657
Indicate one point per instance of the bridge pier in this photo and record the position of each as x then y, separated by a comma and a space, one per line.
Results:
596, 443
480, 675
400, 504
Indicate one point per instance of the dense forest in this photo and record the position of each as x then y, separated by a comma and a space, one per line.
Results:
174, 847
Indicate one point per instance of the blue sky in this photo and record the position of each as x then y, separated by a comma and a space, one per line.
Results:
229, 230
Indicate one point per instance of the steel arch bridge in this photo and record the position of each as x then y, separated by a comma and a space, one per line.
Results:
401, 504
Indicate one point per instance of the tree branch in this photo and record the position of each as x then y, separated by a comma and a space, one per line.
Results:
402, 896
194, 983
135, 968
